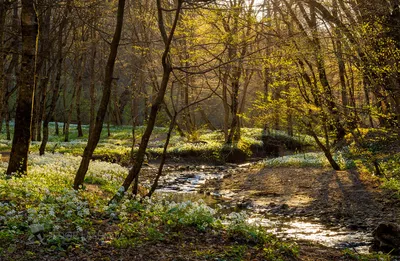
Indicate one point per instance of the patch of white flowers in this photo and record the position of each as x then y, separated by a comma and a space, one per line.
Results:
311, 159
45, 196
44, 201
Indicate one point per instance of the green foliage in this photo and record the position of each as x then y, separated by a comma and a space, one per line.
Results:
44, 203
235, 252
391, 166
241, 229
367, 257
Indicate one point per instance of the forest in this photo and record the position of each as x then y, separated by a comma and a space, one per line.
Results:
200, 130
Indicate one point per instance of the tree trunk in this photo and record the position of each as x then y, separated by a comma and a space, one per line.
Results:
326, 150
3, 86
167, 69
206, 119
226, 105
26, 82
78, 97
234, 135
134, 171
92, 89
108, 123
170, 116
69, 115
57, 83
163, 156
57, 129
8, 123
42, 106
94, 137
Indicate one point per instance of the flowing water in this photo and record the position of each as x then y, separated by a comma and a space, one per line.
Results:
184, 183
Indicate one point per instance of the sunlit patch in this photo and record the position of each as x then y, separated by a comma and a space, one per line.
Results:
311, 230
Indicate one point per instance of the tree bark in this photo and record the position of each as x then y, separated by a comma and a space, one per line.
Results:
163, 156
69, 115
92, 87
57, 81
22, 131
78, 97
94, 137
325, 149
3, 86
167, 69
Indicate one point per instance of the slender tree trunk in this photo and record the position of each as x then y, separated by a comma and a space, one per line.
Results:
42, 108
26, 82
3, 86
57, 81
167, 69
45, 68
53, 103
44, 44
341, 64
108, 124
323, 78
234, 133
57, 128
325, 149
116, 107
8, 123
78, 98
170, 116
92, 89
134, 116
134, 171
8, 78
64, 114
206, 119
226, 105
69, 115
246, 84
163, 156
266, 83
94, 137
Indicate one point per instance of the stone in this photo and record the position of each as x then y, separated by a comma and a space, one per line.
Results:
386, 237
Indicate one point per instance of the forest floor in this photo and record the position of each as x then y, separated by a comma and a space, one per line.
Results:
343, 197
292, 187
346, 198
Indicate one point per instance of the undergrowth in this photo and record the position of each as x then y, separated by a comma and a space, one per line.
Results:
204, 145
41, 213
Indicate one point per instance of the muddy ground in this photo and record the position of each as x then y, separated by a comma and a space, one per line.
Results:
338, 198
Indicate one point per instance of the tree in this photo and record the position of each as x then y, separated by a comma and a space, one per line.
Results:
22, 131
59, 59
101, 112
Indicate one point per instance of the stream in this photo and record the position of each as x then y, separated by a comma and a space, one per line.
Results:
182, 183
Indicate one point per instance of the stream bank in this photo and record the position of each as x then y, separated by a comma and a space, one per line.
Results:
337, 209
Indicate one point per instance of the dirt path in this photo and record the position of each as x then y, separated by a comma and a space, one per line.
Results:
340, 198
